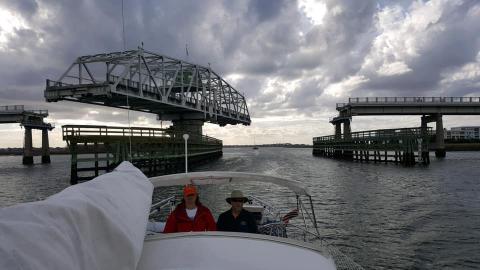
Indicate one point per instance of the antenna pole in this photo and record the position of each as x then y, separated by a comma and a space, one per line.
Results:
128, 105
185, 138
123, 30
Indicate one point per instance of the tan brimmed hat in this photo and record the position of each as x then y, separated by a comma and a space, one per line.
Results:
236, 194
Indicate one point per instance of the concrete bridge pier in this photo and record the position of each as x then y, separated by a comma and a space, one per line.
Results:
439, 138
347, 134
28, 147
338, 130
439, 134
425, 155
45, 147
347, 131
189, 126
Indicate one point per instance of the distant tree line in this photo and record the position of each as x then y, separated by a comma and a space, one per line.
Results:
286, 145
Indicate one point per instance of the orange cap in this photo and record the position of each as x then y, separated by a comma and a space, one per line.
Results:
189, 190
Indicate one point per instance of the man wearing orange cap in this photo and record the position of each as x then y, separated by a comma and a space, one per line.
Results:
190, 215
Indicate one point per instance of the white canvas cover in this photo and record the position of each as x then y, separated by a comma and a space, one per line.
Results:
98, 224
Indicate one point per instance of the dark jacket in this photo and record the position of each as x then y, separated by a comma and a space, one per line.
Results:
178, 221
245, 222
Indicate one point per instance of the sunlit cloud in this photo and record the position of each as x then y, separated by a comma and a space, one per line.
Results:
9, 23
315, 10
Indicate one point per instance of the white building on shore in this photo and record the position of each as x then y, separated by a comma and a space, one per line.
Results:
463, 133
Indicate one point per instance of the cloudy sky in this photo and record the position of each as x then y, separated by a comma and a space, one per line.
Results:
293, 59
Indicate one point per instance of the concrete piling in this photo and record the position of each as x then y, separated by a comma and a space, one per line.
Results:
27, 147
45, 147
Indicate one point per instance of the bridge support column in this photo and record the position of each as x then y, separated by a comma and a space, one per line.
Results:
347, 131
439, 138
45, 147
189, 126
347, 135
27, 148
425, 155
338, 130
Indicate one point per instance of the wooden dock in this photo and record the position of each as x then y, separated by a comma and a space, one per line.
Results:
99, 149
406, 146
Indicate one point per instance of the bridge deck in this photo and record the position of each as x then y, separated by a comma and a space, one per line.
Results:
410, 106
29, 118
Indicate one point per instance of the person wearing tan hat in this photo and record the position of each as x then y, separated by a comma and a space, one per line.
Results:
190, 215
237, 219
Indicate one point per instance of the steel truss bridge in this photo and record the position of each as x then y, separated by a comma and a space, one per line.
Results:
144, 81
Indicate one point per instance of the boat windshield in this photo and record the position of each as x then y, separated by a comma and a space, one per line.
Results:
224, 177
299, 222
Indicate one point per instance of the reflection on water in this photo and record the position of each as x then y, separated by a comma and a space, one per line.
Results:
383, 216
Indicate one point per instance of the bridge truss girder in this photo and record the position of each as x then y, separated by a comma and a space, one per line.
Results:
153, 83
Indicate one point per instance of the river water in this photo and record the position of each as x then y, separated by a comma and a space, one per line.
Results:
382, 216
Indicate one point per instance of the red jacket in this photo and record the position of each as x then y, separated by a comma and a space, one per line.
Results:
178, 221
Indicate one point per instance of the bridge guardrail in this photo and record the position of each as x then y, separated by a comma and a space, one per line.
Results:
12, 108
410, 100
9, 109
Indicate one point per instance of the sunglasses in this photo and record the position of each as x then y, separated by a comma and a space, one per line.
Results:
237, 200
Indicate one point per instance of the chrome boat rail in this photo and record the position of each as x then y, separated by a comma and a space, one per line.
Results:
156, 207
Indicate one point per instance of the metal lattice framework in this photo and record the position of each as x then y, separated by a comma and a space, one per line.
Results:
171, 88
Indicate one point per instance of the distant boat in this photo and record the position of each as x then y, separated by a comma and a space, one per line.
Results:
255, 147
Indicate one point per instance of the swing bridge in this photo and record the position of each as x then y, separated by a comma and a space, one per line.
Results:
184, 93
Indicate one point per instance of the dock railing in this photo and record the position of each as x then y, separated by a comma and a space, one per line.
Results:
88, 130
371, 134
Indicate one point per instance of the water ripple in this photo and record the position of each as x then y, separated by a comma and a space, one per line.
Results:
383, 216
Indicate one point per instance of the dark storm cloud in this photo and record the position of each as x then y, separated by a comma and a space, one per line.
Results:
25, 8
250, 85
450, 42
265, 9
333, 50
305, 95
273, 52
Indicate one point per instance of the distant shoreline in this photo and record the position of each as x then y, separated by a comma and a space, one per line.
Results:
17, 151
36, 151
285, 145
